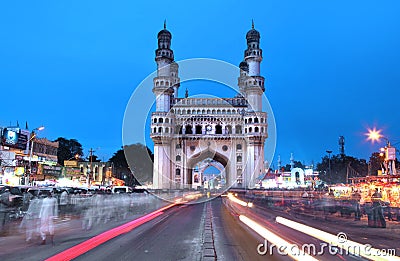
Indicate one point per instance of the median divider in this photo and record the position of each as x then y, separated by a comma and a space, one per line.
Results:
95, 241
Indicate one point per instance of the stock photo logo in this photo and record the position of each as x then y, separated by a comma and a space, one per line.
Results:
190, 133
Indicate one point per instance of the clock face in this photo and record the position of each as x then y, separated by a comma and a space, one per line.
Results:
208, 128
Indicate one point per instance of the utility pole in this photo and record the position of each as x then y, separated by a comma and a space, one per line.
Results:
91, 166
329, 165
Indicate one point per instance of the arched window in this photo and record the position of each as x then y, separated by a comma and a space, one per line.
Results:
250, 130
166, 120
161, 120
188, 129
255, 120
229, 129
250, 121
178, 157
238, 146
198, 129
239, 158
155, 120
155, 130
178, 146
245, 121
166, 130
159, 129
218, 129
238, 129
256, 129
177, 172
178, 129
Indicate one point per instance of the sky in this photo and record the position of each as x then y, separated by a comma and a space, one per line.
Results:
331, 67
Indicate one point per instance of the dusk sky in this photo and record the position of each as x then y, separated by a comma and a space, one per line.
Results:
332, 67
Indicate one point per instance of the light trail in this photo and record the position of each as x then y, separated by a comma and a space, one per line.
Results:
280, 244
340, 240
94, 242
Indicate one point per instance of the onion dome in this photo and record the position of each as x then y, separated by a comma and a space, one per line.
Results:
253, 35
244, 66
164, 33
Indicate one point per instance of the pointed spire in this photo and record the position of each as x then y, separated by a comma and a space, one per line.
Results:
186, 93
26, 125
17, 124
252, 24
165, 23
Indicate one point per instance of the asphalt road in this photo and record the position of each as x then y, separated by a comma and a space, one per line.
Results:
178, 235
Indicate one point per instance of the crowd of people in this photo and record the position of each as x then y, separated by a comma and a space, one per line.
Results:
45, 209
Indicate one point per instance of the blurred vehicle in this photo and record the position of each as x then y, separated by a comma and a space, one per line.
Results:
41, 191
121, 189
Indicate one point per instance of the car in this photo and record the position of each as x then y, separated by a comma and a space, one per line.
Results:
41, 191
121, 189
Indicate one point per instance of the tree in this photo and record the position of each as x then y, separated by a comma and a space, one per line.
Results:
340, 166
67, 149
297, 164
134, 164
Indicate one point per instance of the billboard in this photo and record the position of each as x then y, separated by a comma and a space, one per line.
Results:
14, 138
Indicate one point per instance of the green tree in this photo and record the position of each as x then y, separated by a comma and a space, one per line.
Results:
134, 164
341, 168
67, 149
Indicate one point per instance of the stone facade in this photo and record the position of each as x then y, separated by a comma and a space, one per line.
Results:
186, 131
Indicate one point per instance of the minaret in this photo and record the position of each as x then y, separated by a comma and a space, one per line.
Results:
164, 83
165, 87
254, 84
291, 161
251, 85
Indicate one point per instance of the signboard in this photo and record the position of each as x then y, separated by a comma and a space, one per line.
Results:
70, 163
72, 172
391, 153
51, 170
12, 137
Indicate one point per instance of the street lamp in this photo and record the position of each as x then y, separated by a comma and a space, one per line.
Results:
329, 164
33, 135
388, 151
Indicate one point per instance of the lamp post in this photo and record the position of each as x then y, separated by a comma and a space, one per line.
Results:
329, 165
388, 151
33, 135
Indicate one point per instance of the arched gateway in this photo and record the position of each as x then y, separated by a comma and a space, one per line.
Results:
186, 131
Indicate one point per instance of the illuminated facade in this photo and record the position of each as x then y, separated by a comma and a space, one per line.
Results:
187, 131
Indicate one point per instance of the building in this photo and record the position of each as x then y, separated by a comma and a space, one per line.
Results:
229, 131
23, 156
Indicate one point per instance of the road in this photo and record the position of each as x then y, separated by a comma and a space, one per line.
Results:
179, 234
204, 231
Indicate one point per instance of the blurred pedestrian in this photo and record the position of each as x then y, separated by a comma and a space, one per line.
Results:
5, 203
48, 212
31, 221
377, 209
64, 201
356, 197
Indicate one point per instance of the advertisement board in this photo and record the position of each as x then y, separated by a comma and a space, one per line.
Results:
14, 138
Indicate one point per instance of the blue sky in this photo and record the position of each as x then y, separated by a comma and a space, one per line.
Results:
331, 67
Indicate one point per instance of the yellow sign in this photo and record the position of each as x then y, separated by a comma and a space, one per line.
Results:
70, 163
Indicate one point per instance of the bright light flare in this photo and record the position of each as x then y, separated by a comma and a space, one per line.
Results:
349, 246
374, 135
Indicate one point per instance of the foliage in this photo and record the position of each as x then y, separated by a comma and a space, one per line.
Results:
134, 164
67, 149
341, 168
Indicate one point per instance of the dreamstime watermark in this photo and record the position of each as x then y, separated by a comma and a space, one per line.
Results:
341, 247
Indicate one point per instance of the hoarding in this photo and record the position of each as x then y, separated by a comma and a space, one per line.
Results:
12, 137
